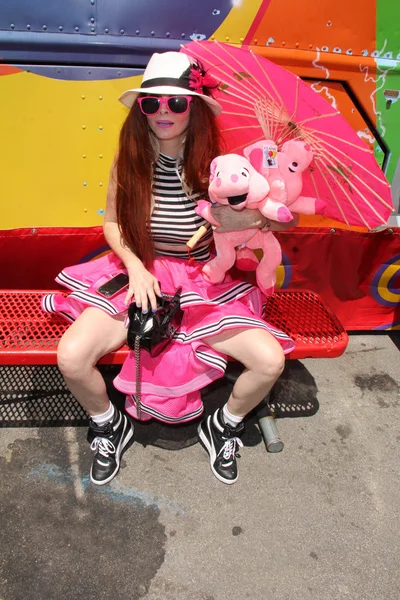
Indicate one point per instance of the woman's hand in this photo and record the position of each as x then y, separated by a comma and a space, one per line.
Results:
143, 286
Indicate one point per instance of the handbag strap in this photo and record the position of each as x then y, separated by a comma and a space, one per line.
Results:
138, 387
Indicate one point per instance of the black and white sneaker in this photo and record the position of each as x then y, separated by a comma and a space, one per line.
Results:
222, 443
109, 442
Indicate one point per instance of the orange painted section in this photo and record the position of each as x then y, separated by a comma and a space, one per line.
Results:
327, 23
9, 70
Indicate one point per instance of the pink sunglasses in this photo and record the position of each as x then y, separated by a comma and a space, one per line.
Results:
151, 105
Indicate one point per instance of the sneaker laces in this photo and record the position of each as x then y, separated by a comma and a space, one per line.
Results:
229, 449
103, 446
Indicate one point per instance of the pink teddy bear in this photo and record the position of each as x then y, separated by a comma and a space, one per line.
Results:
285, 178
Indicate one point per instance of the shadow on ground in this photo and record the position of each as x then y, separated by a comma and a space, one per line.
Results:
294, 395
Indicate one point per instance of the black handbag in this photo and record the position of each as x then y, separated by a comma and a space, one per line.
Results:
155, 330
152, 331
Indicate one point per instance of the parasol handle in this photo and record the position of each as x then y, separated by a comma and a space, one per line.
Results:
196, 237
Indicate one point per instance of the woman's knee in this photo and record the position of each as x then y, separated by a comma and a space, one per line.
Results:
73, 358
270, 362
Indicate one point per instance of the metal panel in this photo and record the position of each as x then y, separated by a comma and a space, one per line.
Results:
21, 47
173, 19
73, 16
87, 73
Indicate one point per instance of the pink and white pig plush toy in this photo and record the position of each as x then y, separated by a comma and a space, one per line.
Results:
236, 185
285, 177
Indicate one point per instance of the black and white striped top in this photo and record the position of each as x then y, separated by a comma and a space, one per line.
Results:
173, 220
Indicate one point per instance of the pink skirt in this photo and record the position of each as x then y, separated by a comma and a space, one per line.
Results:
170, 382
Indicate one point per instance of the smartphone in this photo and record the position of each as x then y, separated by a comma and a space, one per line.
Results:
114, 285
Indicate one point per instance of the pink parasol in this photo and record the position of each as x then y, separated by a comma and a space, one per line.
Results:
261, 100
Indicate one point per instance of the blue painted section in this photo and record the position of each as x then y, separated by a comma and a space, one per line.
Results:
28, 15
80, 73
114, 492
164, 19
104, 32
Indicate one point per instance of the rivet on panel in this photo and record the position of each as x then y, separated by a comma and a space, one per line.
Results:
28, 26
83, 126
256, 41
89, 72
92, 29
100, 97
183, 35
92, 20
83, 155
329, 23
100, 156
332, 231
101, 128
83, 96
137, 32
61, 28
107, 30
44, 27
84, 183
100, 183
212, 38
58, 70
297, 44
227, 38
92, 2
85, 210
152, 33
241, 40
167, 34
76, 28
34, 231
122, 31
118, 73
310, 46
12, 26
283, 43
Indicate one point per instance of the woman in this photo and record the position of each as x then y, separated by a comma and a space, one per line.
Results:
166, 146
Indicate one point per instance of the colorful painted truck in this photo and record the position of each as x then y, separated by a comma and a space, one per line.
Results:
63, 66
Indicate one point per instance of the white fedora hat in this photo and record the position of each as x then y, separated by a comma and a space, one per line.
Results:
169, 74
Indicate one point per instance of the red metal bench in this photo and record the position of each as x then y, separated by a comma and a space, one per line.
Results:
29, 336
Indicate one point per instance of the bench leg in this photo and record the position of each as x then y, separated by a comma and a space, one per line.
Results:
268, 428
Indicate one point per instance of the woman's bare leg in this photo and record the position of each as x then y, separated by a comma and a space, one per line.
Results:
91, 336
263, 358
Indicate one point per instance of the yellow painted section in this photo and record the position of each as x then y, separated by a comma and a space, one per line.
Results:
238, 21
57, 136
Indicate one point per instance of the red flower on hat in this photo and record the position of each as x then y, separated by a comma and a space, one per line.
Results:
199, 79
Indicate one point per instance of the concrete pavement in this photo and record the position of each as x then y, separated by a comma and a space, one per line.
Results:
319, 521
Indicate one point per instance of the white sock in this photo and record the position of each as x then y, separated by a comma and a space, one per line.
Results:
104, 418
229, 418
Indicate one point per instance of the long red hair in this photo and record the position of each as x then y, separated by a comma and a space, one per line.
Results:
135, 166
